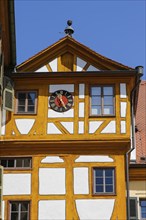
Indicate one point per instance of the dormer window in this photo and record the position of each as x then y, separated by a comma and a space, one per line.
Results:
102, 100
26, 102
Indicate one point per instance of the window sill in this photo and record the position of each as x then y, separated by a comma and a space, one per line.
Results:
104, 194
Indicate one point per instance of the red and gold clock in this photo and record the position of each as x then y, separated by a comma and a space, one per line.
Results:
61, 101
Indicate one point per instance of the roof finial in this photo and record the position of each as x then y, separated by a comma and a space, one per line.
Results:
69, 30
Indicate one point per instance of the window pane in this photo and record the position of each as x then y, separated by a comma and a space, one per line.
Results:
108, 100
14, 206
108, 180
31, 97
27, 162
99, 172
96, 100
21, 96
10, 163
95, 91
14, 216
143, 208
143, 203
30, 108
108, 91
99, 189
132, 208
21, 108
24, 216
96, 110
21, 102
99, 180
109, 172
4, 163
19, 163
24, 206
108, 110
109, 188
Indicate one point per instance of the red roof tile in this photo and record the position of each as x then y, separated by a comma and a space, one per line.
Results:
141, 124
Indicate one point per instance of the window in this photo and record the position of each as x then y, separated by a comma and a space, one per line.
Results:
19, 210
133, 208
14, 163
26, 102
102, 100
104, 180
143, 209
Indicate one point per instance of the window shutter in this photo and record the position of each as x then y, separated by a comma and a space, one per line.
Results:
1, 182
8, 94
133, 208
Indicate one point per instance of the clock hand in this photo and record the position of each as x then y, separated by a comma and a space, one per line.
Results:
62, 102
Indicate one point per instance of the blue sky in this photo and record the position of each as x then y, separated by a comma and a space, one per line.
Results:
115, 29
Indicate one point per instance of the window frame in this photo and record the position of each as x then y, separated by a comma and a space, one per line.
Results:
102, 103
136, 208
104, 184
19, 201
15, 163
26, 102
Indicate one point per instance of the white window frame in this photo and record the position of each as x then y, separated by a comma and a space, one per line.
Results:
19, 208
104, 184
26, 102
15, 162
102, 100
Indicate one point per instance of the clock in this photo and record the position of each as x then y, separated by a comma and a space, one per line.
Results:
61, 101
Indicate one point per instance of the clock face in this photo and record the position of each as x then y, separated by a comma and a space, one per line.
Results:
61, 101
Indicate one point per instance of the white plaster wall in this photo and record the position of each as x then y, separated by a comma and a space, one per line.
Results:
110, 128
17, 184
42, 69
81, 127
123, 127
95, 209
53, 65
52, 129
94, 159
81, 109
123, 109
52, 159
94, 125
52, 181
81, 180
53, 114
137, 188
55, 87
80, 64
24, 125
52, 210
123, 93
81, 91
69, 126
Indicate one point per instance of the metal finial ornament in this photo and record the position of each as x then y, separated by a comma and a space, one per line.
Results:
69, 30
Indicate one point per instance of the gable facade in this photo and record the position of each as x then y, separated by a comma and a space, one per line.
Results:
68, 135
